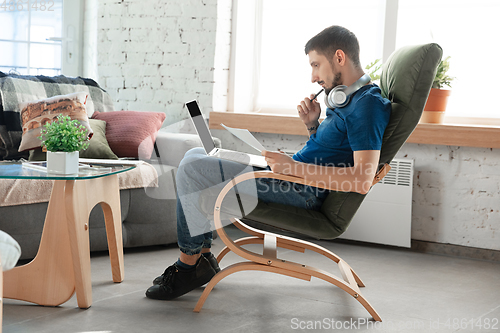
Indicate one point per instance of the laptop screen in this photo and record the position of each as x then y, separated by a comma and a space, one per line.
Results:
201, 126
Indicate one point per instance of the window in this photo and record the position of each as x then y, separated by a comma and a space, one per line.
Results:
281, 75
467, 31
40, 37
270, 72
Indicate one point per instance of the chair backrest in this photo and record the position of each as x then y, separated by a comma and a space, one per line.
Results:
406, 81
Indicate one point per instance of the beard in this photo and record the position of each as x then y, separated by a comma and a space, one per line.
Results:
337, 80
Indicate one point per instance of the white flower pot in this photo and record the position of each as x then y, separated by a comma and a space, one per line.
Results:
62, 162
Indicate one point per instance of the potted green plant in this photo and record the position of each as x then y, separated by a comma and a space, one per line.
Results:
438, 97
63, 139
373, 70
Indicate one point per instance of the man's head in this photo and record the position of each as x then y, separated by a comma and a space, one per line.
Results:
338, 47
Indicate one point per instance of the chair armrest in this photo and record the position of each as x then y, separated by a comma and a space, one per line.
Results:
293, 179
384, 170
269, 174
173, 146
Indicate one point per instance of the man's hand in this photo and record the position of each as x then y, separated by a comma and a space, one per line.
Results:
279, 162
309, 112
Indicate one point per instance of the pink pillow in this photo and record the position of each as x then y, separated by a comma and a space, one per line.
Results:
131, 133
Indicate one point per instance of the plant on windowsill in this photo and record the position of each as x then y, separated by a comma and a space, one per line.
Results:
63, 138
438, 97
373, 70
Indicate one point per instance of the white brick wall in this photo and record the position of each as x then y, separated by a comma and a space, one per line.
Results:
154, 55
456, 195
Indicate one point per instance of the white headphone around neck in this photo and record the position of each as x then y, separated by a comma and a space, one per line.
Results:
341, 95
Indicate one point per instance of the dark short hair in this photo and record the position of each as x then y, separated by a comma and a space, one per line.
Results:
334, 38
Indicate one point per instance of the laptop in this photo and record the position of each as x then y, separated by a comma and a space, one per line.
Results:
208, 143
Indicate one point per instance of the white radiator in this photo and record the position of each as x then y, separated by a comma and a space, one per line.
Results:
385, 215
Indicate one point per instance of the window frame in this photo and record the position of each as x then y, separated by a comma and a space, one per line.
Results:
389, 46
255, 15
72, 43
71, 39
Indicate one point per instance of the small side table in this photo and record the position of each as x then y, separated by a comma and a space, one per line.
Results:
62, 264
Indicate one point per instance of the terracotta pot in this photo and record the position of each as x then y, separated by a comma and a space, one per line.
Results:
436, 105
437, 100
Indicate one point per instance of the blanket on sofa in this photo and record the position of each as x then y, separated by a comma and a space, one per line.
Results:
27, 191
15, 89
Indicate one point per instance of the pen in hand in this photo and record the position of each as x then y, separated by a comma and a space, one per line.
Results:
305, 111
315, 96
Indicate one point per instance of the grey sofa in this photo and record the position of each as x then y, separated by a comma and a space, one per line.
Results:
148, 214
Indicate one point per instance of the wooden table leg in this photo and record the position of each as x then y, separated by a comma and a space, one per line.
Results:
81, 197
113, 220
62, 264
77, 213
48, 279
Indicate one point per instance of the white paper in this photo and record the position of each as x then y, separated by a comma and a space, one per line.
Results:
111, 162
245, 136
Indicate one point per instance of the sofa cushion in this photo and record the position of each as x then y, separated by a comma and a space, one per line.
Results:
15, 89
131, 133
35, 114
98, 145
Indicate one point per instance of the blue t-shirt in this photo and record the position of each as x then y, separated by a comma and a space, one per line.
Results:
359, 125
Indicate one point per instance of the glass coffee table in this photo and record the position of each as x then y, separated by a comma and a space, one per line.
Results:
62, 264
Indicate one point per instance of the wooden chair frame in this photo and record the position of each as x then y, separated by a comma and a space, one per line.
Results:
268, 260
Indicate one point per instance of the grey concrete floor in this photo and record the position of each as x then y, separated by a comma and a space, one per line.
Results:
413, 292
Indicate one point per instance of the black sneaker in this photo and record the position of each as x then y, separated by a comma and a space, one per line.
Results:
211, 259
177, 281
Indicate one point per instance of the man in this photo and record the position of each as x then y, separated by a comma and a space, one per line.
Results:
342, 153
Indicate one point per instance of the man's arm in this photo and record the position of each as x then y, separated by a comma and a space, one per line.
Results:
358, 178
